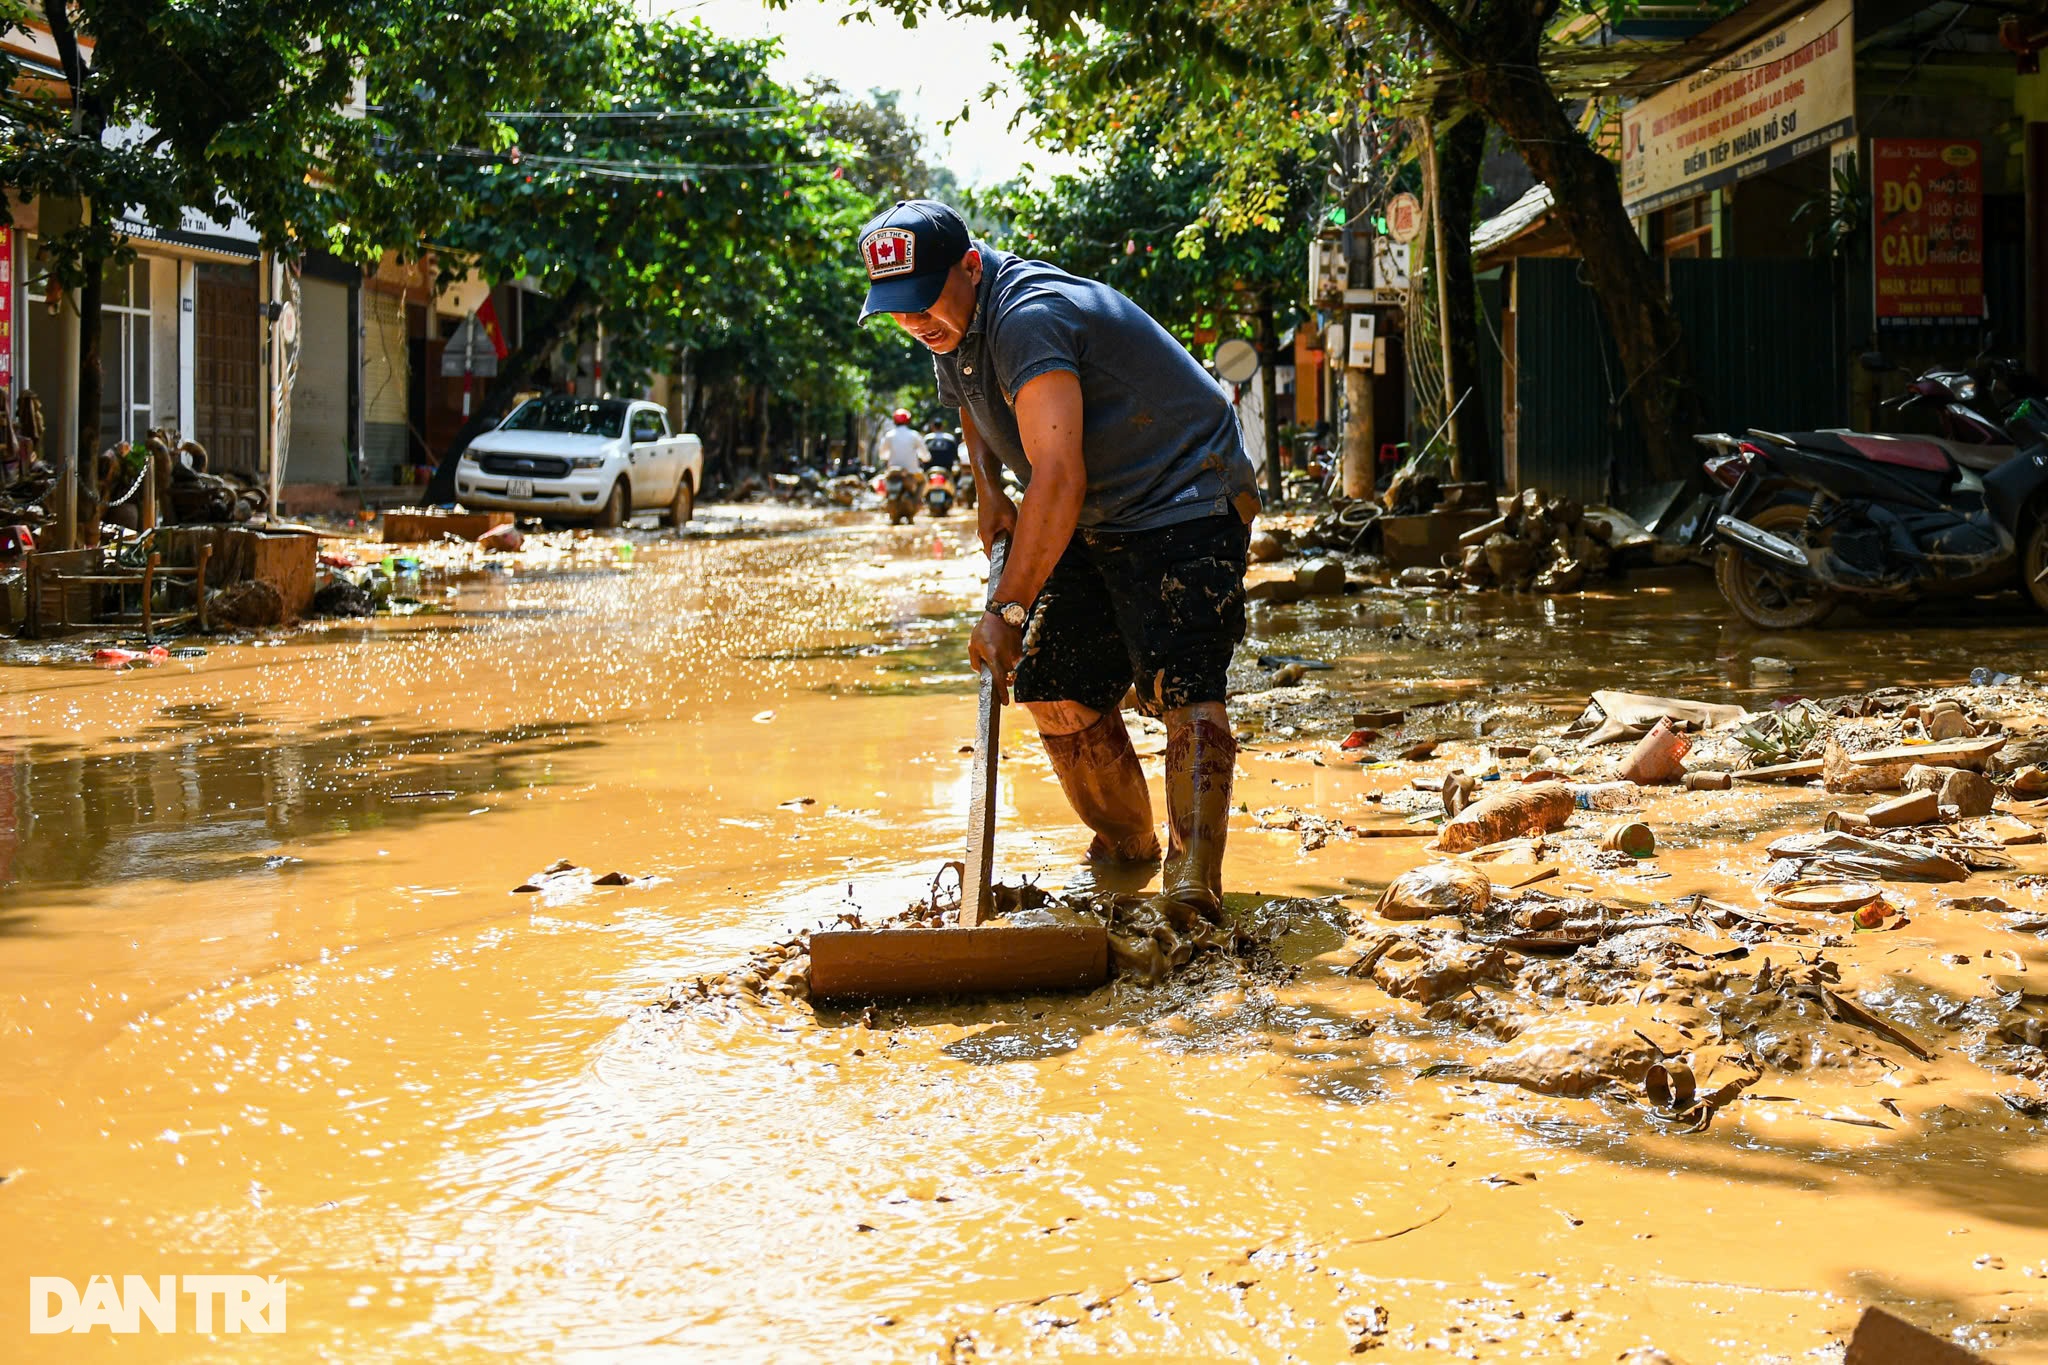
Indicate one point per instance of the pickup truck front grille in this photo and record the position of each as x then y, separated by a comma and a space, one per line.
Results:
524, 466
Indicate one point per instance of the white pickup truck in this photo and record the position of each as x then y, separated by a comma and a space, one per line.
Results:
583, 459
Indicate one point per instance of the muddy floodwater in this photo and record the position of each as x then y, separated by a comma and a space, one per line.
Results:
270, 1004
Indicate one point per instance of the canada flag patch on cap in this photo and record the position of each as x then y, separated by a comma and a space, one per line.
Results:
890, 251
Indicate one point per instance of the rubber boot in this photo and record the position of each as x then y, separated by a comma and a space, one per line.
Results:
1098, 770
1201, 761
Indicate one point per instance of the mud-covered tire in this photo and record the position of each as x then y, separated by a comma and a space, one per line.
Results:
2034, 562
1758, 594
618, 506
682, 506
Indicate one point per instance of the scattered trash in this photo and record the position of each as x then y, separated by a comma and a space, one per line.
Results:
1658, 756
1614, 716
1986, 677
1844, 855
1918, 807
345, 599
1970, 794
1631, 837
1606, 795
1537, 809
1826, 898
1435, 889
125, 658
506, 539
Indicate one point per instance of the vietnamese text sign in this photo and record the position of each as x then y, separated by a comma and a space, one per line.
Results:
1790, 92
1930, 227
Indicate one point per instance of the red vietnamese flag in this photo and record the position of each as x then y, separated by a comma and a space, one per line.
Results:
487, 314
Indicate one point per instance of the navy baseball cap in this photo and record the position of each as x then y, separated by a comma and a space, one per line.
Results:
908, 249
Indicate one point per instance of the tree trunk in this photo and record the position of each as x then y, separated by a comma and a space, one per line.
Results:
1269, 401
91, 384
1460, 148
1586, 196
89, 121
536, 345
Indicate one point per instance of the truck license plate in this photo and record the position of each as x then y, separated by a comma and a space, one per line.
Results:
519, 488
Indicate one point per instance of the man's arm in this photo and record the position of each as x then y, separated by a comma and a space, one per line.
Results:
1049, 422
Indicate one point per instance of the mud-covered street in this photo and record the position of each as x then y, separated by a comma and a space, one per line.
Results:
275, 1007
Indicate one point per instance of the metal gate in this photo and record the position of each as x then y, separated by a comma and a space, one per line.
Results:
1766, 352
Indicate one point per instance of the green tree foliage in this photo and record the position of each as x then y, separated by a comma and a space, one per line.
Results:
1254, 81
246, 109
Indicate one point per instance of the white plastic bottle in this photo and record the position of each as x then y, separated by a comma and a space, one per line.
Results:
1607, 795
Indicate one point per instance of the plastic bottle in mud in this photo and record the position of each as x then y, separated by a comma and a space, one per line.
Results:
1535, 809
1607, 795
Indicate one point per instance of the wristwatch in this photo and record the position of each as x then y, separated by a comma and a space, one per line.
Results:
1014, 614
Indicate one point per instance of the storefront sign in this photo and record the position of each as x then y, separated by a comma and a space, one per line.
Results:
1404, 218
1929, 196
6, 309
1791, 92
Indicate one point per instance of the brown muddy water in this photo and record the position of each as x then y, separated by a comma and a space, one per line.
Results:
270, 1006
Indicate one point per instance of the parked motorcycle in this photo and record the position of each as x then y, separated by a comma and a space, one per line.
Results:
938, 493
1969, 405
1811, 519
899, 499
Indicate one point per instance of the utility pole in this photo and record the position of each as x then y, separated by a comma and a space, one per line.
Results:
1430, 187
1358, 404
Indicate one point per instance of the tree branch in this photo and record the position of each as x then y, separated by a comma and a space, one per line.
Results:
1432, 19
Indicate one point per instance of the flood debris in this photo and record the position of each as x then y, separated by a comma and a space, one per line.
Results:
563, 879
1435, 889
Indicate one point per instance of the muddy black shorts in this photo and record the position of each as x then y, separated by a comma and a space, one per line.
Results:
1159, 610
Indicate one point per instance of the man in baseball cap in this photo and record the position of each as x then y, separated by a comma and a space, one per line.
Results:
910, 250
1127, 554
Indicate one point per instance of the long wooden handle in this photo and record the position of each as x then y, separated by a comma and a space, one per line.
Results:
981, 791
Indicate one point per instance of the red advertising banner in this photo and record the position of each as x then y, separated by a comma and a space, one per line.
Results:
1929, 196
6, 309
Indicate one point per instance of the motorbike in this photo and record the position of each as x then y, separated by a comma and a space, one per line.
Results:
898, 499
1811, 519
1961, 401
964, 491
938, 493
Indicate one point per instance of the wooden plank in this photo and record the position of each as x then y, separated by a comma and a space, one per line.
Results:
1782, 772
412, 528
1960, 753
981, 786
995, 958
1914, 808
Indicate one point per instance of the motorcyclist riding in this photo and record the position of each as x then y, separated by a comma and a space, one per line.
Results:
900, 447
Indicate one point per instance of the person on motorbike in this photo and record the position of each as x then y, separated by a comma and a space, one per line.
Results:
1127, 554
945, 450
900, 447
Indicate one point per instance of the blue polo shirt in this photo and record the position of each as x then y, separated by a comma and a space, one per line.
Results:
1158, 436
